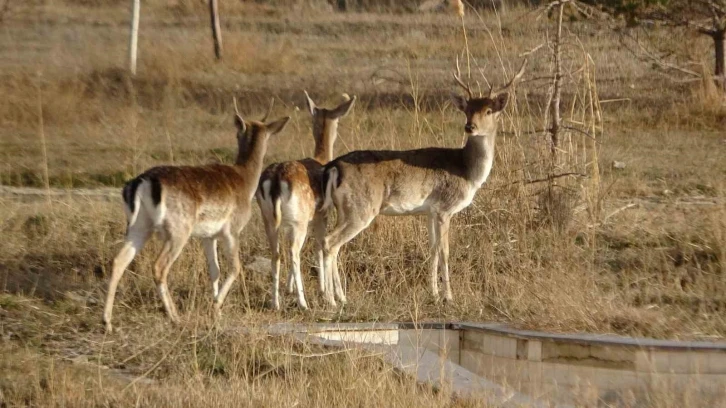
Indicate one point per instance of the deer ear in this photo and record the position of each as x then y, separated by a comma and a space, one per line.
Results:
459, 101
310, 104
240, 123
276, 126
343, 109
500, 102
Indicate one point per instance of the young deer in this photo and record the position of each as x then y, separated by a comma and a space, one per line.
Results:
210, 202
437, 182
290, 197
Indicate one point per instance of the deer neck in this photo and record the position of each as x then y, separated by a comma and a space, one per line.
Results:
479, 158
250, 159
324, 141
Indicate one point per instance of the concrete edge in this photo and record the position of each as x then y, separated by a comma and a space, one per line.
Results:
599, 339
502, 329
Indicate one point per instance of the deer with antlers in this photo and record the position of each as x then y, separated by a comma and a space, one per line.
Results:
290, 197
436, 182
212, 202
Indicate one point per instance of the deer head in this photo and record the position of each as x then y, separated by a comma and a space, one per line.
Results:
482, 112
325, 124
252, 134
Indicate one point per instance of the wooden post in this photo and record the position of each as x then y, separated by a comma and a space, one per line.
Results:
216, 29
719, 43
134, 40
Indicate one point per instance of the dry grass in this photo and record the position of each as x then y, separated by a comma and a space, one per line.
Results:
534, 255
194, 366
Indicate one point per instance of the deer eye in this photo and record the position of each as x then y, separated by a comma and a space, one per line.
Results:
488, 111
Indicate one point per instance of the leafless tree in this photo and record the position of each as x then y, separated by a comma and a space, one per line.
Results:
707, 17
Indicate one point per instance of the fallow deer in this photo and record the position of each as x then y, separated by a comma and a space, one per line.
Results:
437, 182
212, 202
290, 196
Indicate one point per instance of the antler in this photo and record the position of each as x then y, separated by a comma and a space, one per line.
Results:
512, 82
457, 77
269, 109
236, 110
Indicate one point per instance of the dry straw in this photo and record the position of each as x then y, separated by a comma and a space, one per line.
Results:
43, 144
458, 6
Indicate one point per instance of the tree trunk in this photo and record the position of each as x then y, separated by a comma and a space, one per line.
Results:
719, 42
557, 86
216, 29
134, 40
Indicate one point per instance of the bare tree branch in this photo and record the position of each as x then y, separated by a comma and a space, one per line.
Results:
557, 84
550, 178
655, 59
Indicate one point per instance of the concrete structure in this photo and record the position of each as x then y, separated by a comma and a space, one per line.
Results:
513, 367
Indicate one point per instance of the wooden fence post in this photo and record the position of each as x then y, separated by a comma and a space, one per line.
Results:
134, 40
216, 29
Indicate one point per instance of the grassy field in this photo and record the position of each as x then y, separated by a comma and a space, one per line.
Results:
639, 251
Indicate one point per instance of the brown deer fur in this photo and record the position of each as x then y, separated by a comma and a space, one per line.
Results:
210, 202
290, 196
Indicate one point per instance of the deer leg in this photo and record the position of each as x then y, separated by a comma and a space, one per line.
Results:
173, 246
319, 225
434, 239
297, 239
329, 292
342, 234
274, 241
444, 255
210, 251
328, 261
232, 251
136, 237
291, 272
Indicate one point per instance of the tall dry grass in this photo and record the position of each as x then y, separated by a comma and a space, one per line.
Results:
522, 249
565, 255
